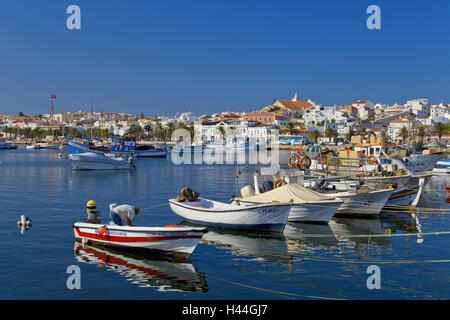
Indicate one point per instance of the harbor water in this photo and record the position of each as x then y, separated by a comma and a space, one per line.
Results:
306, 261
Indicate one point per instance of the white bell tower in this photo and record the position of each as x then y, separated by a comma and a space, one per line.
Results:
295, 97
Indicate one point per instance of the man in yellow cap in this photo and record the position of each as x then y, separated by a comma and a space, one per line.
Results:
94, 216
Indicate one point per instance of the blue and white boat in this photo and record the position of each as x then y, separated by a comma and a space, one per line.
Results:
4, 145
76, 148
442, 167
121, 145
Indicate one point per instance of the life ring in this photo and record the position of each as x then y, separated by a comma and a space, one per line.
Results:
279, 182
294, 161
305, 163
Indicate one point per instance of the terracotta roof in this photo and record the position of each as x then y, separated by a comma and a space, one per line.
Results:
360, 101
296, 104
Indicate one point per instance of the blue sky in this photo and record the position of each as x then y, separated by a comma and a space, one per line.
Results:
164, 57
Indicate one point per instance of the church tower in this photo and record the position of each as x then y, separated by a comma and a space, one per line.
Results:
295, 97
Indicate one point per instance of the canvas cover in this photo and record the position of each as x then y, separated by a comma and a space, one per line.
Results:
287, 192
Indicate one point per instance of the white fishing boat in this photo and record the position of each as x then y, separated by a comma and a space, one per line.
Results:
362, 202
442, 167
33, 146
96, 161
178, 240
414, 162
308, 205
263, 217
406, 198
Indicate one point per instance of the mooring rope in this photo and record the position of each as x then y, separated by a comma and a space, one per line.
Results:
272, 291
153, 207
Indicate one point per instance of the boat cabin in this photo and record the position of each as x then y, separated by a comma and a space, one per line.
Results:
123, 144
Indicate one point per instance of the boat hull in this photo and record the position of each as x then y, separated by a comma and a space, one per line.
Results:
92, 161
261, 217
441, 171
442, 167
423, 163
363, 204
314, 211
177, 240
403, 199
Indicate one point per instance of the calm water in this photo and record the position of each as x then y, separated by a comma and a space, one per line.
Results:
307, 261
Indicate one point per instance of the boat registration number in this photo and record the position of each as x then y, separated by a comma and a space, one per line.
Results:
270, 210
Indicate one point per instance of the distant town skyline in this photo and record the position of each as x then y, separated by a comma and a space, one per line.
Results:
163, 58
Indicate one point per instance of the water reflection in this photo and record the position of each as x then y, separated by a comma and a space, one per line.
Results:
263, 247
301, 237
165, 273
357, 232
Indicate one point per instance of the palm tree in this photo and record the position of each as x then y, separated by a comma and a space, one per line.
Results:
290, 129
440, 129
182, 125
135, 130
149, 130
330, 133
421, 133
169, 130
301, 126
221, 131
350, 133
315, 135
403, 134
192, 132
384, 134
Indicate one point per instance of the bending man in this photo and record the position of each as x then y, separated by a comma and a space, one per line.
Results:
123, 212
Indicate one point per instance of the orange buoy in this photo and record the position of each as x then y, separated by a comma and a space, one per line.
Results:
299, 151
101, 230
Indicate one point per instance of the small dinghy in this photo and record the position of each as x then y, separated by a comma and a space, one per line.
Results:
262, 217
177, 240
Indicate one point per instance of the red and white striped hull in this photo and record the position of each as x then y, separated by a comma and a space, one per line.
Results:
178, 240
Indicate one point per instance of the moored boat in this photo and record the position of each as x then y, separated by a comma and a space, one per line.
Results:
362, 202
95, 161
308, 205
33, 146
406, 198
442, 167
263, 217
4, 145
120, 145
178, 240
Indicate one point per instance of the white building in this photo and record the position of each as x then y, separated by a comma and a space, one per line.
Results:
188, 118
210, 132
440, 113
317, 114
419, 107
365, 109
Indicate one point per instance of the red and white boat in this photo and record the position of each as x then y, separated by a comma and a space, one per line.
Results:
177, 240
